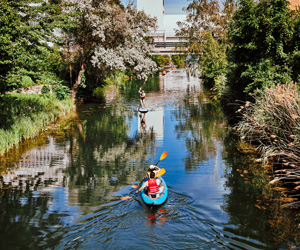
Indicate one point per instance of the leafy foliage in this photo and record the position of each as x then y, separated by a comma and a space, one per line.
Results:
161, 60
108, 37
28, 31
205, 39
213, 61
62, 92
179, 60
204, 16
262, 34
45, 89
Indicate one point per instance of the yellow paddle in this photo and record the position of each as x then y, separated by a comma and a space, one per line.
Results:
160, 172
163, 156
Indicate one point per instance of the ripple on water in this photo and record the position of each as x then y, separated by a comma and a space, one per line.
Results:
179, 224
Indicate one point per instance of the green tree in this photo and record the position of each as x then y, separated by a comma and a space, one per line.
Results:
28, 31
205, 39
213, 61
108, 37
204, 16
10, 45
295, 57
261, 34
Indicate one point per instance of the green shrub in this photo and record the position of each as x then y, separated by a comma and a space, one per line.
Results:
265, 74
213, 61
161, 61
45, 89
62, 92
178, 60
98, 93
27, 81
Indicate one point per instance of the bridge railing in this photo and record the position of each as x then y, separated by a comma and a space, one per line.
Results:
167, 44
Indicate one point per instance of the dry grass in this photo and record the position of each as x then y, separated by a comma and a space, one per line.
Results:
273, 123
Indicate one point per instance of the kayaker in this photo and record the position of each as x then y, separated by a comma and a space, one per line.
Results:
152, 185
152, 168
142, 96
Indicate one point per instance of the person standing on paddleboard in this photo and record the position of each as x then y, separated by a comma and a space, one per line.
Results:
142, 96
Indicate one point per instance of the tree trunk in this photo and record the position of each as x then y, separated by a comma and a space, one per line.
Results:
70, 69
78, 81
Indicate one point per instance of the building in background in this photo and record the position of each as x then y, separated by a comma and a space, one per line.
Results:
166, 22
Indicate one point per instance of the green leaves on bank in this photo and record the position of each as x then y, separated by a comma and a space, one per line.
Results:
262, 35
243, 47
29, 33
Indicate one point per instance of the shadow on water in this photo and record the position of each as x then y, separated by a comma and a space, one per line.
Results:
63, 191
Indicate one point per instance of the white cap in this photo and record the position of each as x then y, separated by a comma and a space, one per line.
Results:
152, 167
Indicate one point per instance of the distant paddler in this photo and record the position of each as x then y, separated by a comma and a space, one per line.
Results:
142, 98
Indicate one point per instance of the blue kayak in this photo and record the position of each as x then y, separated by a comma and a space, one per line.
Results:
158, 198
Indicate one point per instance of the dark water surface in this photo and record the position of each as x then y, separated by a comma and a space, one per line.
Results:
65, 187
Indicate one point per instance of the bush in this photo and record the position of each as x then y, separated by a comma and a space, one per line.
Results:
273, 122
45, 89
27, 81
213, 62
98, 93
161, 61
178, 60
62, 92
265, 74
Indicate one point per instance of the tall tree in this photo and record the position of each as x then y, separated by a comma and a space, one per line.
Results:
261, 34
109, 37
204, 16
9, 44
204, 34
28, 31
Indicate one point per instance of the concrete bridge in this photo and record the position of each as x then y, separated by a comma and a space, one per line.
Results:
165, 39
165, 42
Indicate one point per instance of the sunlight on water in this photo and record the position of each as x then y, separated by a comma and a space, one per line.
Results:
64, 191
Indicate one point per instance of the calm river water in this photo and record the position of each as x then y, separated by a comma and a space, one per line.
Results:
63, 190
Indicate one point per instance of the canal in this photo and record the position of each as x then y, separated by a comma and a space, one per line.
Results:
64, 189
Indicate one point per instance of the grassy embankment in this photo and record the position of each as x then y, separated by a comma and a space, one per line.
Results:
25, 116
273, 124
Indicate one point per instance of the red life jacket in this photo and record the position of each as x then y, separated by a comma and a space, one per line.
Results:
152, 186
143, 95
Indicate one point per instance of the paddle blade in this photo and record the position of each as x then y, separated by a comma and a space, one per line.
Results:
160, 172
126, 198
163, 155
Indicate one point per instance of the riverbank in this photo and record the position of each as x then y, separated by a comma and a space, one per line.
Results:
64, 178
271, 125
24, 116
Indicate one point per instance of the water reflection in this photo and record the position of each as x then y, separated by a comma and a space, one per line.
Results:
202, 124
63, 191
39, 166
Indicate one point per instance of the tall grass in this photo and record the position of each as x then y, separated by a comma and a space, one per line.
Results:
273, 122
24, 116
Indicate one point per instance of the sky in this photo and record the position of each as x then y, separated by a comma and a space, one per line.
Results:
171, 6
175, 6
